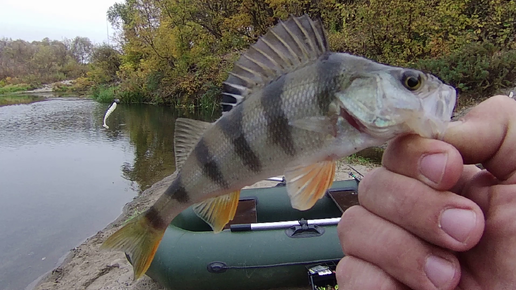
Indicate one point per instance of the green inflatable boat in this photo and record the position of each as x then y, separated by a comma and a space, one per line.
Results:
267, 245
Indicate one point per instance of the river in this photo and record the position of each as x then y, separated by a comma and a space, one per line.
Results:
63, 176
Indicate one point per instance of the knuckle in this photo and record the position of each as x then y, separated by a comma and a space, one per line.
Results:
369, 182
407, 201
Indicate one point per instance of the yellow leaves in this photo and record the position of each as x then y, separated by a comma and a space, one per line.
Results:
192, 44
401, 31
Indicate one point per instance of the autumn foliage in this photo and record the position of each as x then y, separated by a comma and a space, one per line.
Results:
43, 61
179, 52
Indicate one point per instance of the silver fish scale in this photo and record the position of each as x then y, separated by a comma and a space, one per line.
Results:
263, 120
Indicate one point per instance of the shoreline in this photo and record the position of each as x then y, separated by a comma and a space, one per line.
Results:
87, 267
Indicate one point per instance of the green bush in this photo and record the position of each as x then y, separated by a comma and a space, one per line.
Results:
131, 97
15, 88
103, 94
481, 68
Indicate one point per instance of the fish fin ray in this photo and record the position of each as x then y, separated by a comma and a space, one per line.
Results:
285, 47
218, 211
307, 184
139, 240
187, 134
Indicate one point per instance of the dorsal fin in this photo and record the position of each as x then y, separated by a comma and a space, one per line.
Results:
187, 134
286, 47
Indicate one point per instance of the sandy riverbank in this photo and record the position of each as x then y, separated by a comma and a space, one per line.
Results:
86, 267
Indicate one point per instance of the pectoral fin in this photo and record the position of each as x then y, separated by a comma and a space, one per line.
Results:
307, 184
218, 211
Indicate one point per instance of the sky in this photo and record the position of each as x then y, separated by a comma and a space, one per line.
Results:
56, 19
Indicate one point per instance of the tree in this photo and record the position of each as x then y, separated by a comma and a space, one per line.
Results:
105, 63
40, 61
81, 49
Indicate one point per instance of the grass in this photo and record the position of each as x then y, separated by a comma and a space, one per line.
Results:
336, 287
18, 99
59, 88
77, 87
15, 88
356, 159
370, 157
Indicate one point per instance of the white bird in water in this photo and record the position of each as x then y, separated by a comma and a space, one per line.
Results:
110, 110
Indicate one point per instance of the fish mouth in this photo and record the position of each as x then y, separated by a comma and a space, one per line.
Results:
438, 109
353, 121
382, 132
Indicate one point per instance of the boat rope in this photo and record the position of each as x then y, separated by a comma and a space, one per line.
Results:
221, 267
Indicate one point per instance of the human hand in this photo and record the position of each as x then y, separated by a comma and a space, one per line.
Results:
427, 221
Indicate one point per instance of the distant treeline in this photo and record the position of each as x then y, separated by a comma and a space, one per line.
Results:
43, 61
180, 51
26, 65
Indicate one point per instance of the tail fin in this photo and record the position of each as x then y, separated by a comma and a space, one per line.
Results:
140, 240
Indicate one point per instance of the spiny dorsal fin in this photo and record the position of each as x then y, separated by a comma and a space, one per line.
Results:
187, 134
218, 211
286, 47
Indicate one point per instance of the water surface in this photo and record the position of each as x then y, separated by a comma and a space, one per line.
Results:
63, 176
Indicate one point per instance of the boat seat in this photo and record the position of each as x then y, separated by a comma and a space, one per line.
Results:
344, 198
245, 213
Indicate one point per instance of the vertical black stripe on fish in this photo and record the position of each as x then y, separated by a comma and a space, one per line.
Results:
208, 164
325, 96
177, 191
155, 219
232, 128
279, 131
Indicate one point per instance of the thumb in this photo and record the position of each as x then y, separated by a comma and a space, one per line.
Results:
487, 135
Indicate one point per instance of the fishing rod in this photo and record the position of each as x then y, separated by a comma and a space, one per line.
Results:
357, 178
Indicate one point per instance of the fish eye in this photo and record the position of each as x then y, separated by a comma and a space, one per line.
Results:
411, 80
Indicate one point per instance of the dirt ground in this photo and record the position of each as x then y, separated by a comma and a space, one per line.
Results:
86, 267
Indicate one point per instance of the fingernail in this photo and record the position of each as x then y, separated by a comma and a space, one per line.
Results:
432, 166
458, 223
439, 271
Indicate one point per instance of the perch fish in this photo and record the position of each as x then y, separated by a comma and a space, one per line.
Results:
290, 107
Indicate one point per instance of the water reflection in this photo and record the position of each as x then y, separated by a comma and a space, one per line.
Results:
151, 131
63, 176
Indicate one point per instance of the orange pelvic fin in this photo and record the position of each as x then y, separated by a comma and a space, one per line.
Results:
307, 184
218, 211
